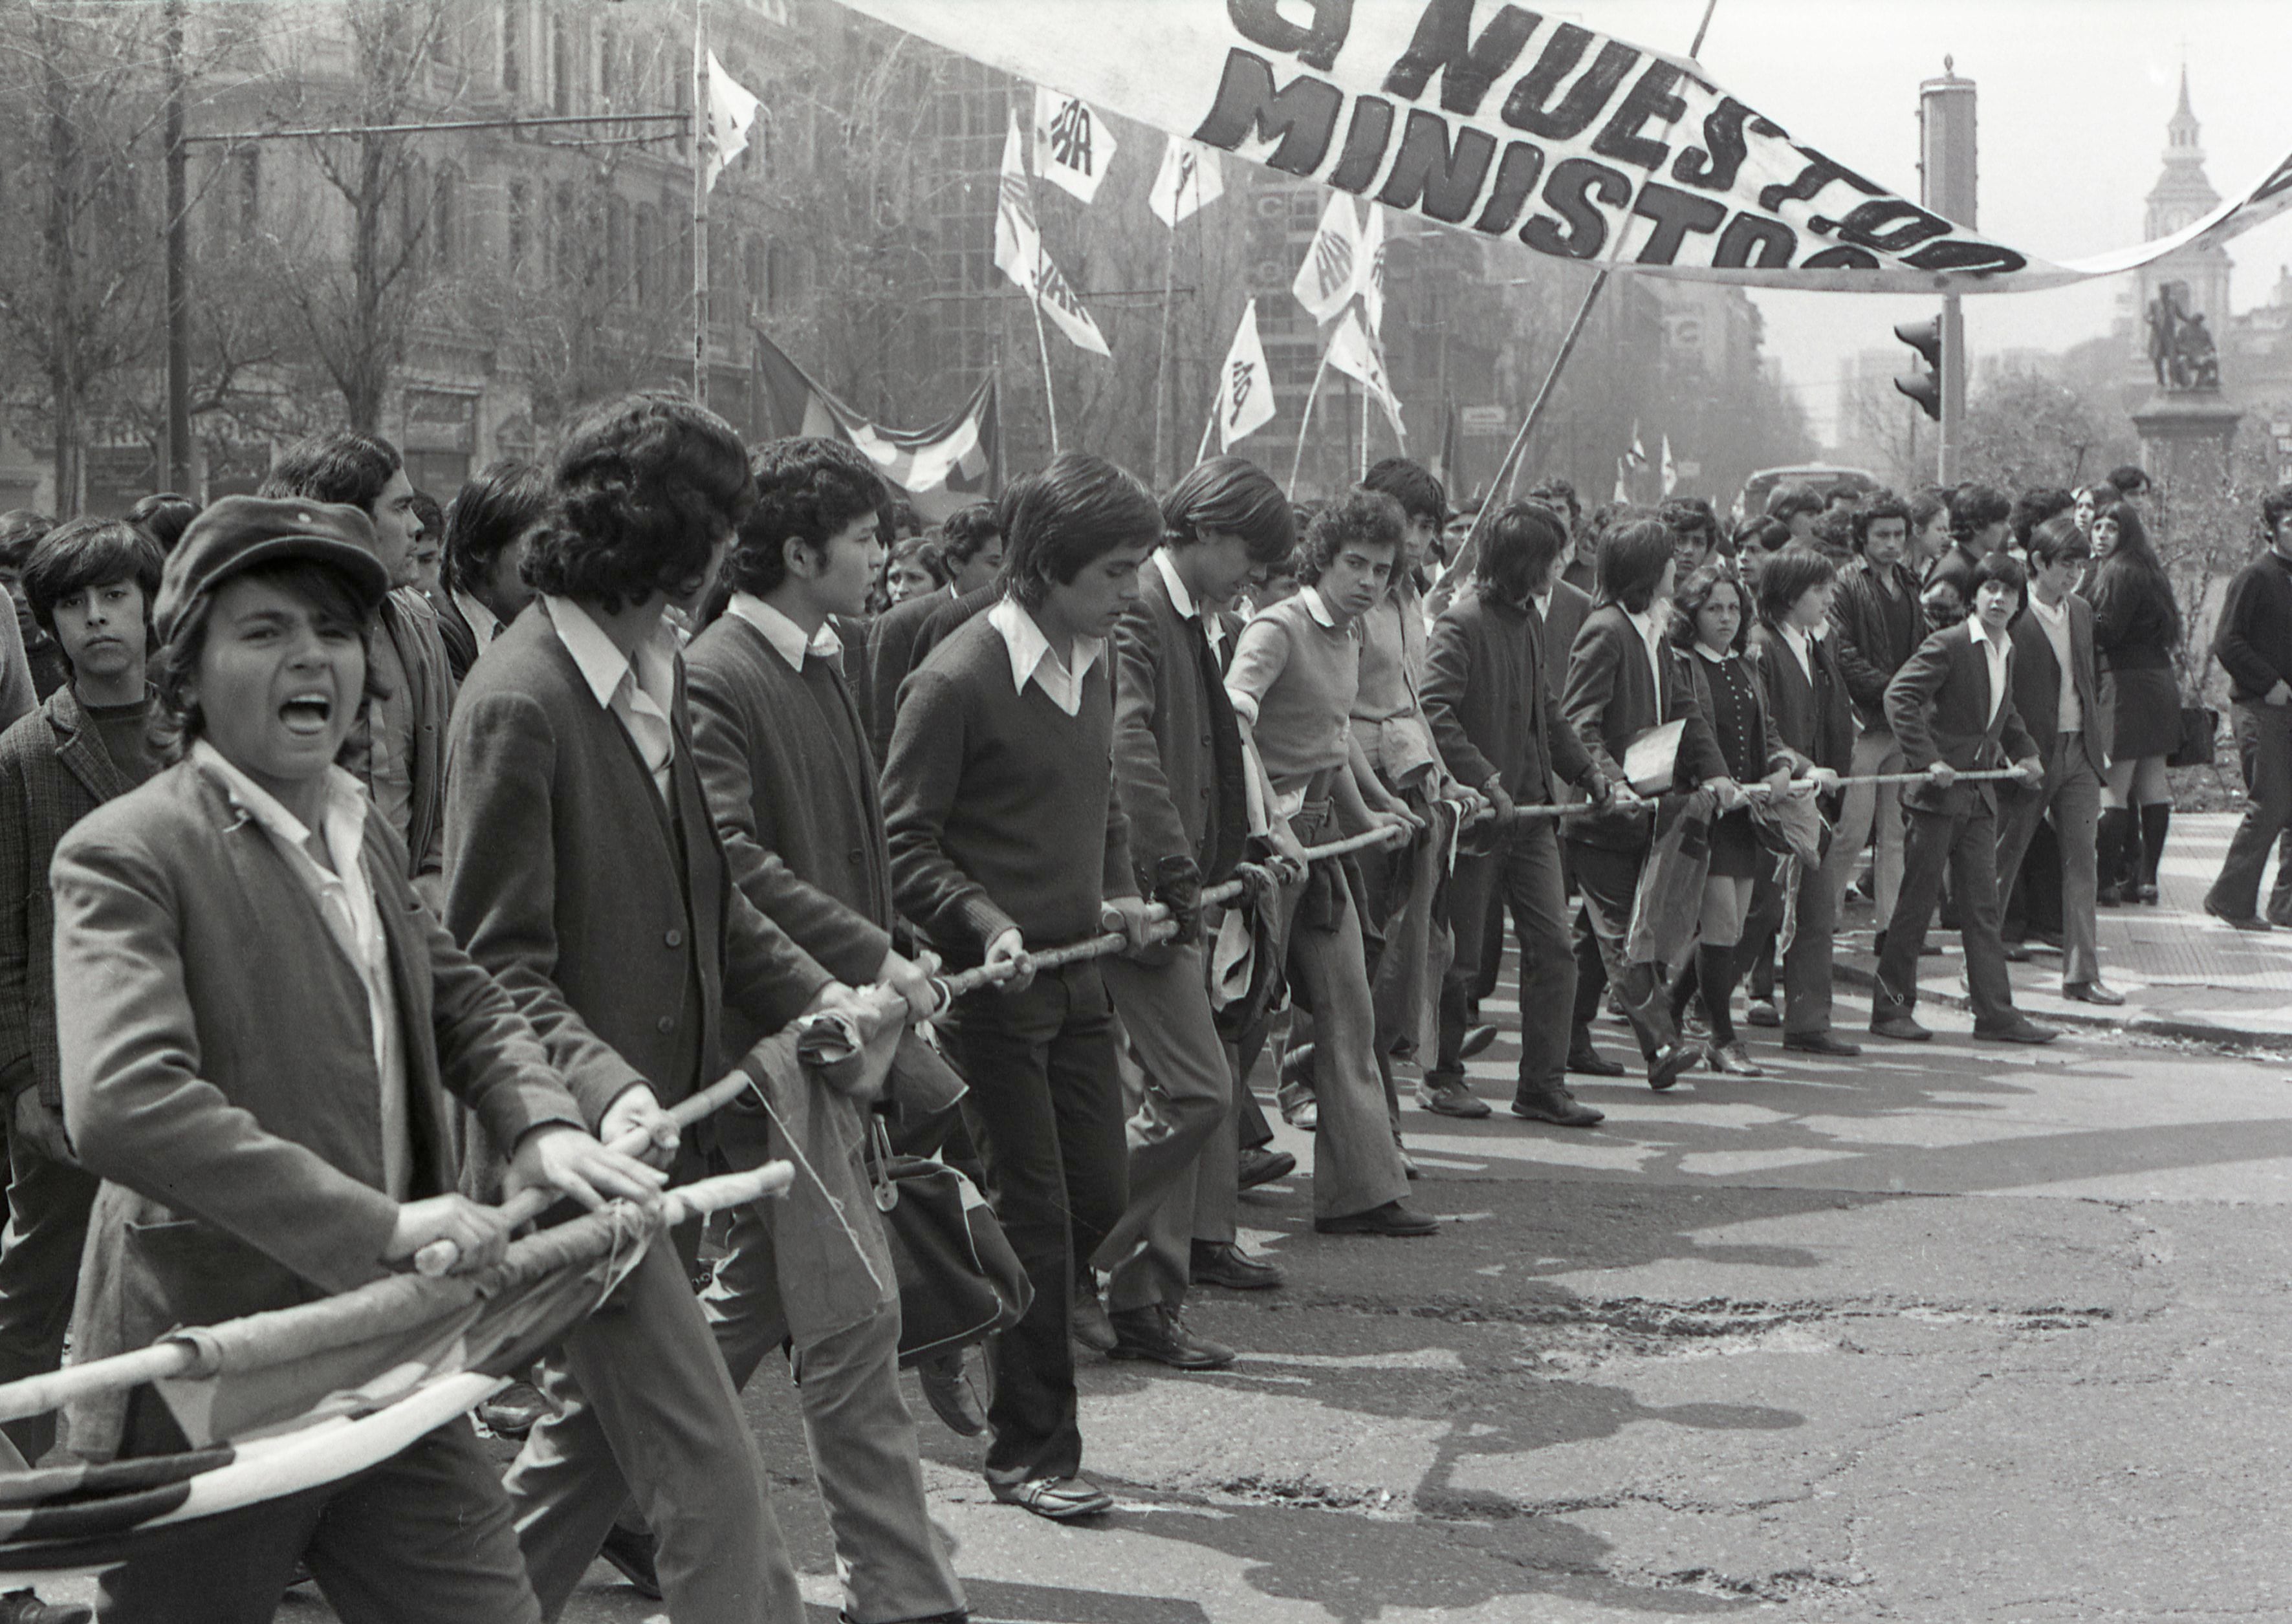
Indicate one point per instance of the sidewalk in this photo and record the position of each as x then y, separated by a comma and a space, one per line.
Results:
2183, 974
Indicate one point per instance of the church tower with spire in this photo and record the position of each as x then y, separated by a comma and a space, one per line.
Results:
2181, 198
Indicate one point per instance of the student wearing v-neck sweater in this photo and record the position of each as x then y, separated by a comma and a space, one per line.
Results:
1005, 835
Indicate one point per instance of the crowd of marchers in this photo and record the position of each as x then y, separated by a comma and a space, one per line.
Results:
361, 856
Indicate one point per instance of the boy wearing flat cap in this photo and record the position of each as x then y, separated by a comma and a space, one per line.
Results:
257, 1022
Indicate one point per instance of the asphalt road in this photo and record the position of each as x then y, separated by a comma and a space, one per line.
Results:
1953, 1333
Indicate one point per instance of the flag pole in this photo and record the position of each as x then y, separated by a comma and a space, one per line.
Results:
1364, 451
1209, 423
703, 143
1305, 423
1162, 354
1043, 348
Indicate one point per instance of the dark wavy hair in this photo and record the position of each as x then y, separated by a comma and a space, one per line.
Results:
2033, 507
1556, 495
2273, 507
1787, 501
1974, 507
645, 487
1883, 504
2135, 556
1519, 549
1073, 513
1689, 516
2003, 567
163, 516
2056, 539
1232, 496
1360, 516
176, 720
1632, 560
967, 530
89, 552
1412, 485
342, 465
1786, 577
20, 530
1688, 602
808, 490
500, 503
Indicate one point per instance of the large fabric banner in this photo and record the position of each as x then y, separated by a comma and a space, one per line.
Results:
947, 466
1514, 123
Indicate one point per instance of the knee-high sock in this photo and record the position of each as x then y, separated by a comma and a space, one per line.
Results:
1715, 970
2155, 820
1684, 987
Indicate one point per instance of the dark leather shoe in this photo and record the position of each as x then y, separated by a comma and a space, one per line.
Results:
1592, 1063
509, 1413
2091, 992
1448, 1097
1901, 1028
1391, 1219
1556, 1106
1222, 1263
2247, 922
630, 1551
947, 1388
1476, 1042
1061, 1499
1159, 1334
1086, 1319
2019, 953
1820, 1043
1670, 1061
1761, 1012
2021, 1031
1260, 1165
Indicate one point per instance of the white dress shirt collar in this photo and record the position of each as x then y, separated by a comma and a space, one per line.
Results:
1651, 633
1994, 650
1318, 606
1801, 643
1032, 656
641, 692
786, 637
1183, 601
484, 624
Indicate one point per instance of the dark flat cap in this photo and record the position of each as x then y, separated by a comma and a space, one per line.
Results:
237, 532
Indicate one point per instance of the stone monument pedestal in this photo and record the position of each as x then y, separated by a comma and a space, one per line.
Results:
2185, 436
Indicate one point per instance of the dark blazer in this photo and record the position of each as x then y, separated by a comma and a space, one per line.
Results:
1610, 700
54, 771
1563, 618
1810, 719
1178, 763
608, 914
1938, 704
948, 616
1494, 712
891, 655
770, 743
410, 622
1767, 750
454, 632
218, 1071
2038, 682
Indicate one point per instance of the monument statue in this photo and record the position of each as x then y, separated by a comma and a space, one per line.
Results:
2181, 346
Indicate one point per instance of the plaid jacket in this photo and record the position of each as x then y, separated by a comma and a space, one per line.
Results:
54, 771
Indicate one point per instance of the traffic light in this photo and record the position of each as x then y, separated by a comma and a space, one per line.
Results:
1923, 386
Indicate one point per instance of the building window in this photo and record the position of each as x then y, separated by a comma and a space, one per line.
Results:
647, 257
513, 46
445, 220
564, 236
521, 226
560, 64
249, 200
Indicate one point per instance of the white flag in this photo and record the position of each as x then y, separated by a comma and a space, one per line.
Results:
1635, 458
1351, 352
1670, 468
1072, 144
1623, 481
1244, 401
1019, 253
1332, 267
731, 115
1372, 269
1190, 180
